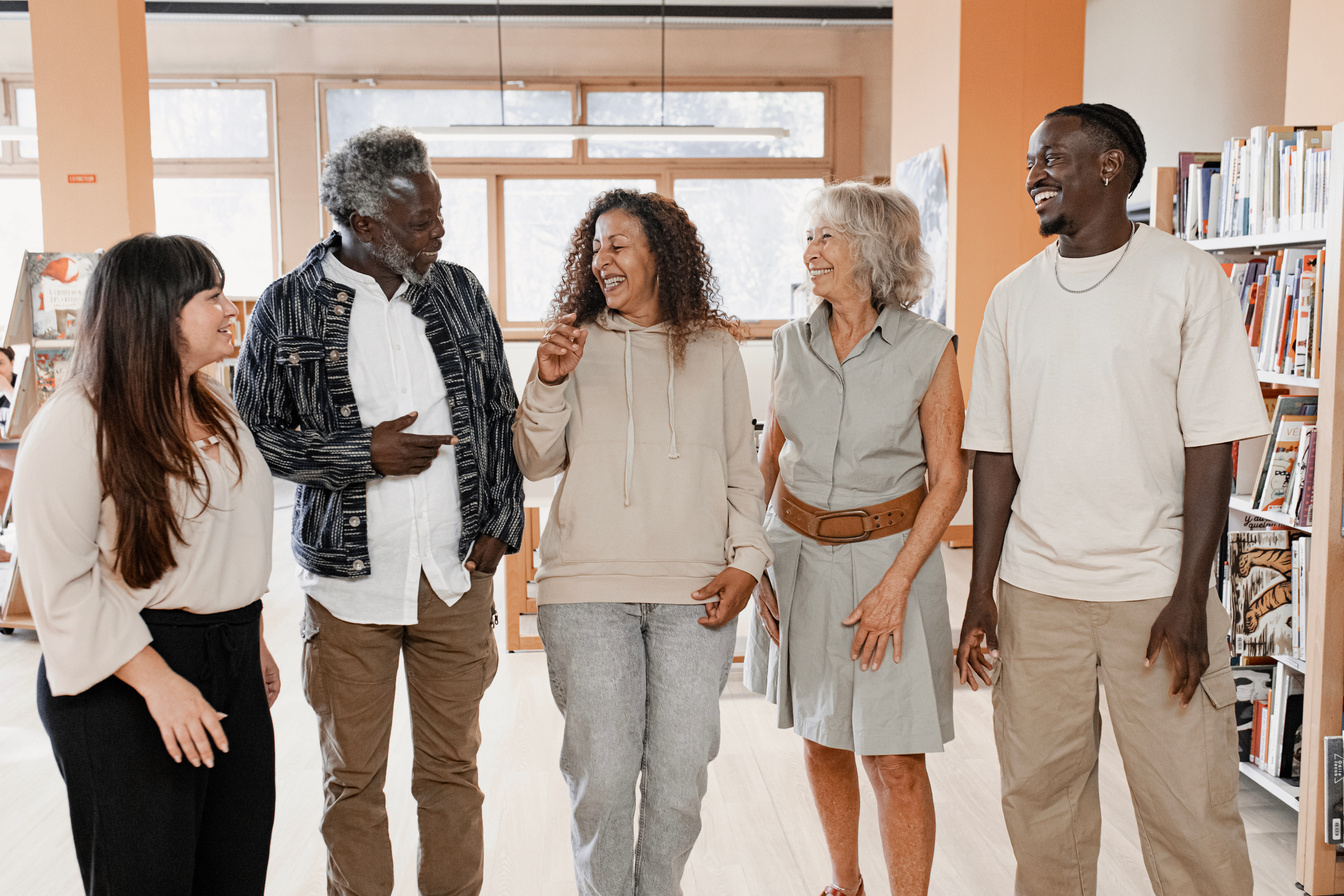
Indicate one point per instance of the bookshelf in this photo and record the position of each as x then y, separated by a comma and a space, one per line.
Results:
1319, 867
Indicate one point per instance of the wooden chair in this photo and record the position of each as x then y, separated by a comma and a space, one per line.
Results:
520, 572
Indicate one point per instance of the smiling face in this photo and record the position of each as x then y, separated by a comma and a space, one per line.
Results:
625, 267
1065, 176
830, 262
409, 235
204, 329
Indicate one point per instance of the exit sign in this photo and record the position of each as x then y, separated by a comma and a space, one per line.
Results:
82, 178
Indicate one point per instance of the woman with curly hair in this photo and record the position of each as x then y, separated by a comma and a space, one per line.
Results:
654, 542
862, 455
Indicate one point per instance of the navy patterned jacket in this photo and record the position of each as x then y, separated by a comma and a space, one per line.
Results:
293, 391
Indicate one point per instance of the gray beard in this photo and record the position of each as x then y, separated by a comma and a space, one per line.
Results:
397, 260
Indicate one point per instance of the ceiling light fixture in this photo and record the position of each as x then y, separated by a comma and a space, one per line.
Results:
657, 132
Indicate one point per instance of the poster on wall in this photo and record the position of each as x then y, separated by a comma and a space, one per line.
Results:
924, 179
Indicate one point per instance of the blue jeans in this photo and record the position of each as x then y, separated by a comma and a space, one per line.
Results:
639, 686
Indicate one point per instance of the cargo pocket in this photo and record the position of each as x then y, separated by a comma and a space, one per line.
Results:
314, 680
1220, 733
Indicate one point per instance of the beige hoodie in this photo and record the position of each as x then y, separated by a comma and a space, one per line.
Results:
661, 489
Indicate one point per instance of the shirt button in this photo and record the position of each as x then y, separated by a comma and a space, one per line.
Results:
345, 410
403, 390
335, 355
357, 566
354, 522
293, 358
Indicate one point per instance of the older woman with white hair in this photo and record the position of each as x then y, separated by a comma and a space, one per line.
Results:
862, 455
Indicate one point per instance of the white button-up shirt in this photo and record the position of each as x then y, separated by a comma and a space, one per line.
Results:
414, 522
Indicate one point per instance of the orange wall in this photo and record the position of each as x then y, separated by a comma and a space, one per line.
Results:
91, 72
1006, 78
1315, 90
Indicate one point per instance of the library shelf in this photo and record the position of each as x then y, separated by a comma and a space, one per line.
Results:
1318, 867
1277, 787
1288, 379
1291, 662
1243, 504
1263, 241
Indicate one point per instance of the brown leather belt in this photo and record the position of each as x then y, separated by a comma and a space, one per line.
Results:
848, 526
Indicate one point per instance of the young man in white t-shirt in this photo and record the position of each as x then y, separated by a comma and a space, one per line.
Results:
1111, 377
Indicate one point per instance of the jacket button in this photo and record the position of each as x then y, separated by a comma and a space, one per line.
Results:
345, 410
340, 311
354, 522
294, 358
357, 566
342, 296
335, 355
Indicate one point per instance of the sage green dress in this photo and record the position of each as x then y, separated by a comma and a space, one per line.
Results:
853, 439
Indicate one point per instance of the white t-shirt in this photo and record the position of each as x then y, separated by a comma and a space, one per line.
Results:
1097, 396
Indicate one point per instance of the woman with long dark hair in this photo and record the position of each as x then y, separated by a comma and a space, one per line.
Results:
144, 515
654, 542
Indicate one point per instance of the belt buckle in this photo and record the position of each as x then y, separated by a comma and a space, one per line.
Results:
843, 514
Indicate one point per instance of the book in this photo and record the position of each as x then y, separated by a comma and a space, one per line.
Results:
1299, 472
51, 366
1292, 405
1259, 565
1304, 504
1333, 790
1252, 685
52, 284
1283, 455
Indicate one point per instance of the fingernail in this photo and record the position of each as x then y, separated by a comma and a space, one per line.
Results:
209, 763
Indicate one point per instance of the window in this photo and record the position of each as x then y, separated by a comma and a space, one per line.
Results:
214, 174
20, 192
510, 206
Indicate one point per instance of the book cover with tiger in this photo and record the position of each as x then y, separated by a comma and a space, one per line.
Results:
1259, 573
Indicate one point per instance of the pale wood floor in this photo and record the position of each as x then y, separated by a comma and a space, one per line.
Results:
761, 835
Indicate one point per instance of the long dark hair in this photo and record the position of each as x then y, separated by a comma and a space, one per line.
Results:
128, 360
688, 297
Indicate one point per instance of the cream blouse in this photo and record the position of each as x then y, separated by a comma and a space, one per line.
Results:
87, 617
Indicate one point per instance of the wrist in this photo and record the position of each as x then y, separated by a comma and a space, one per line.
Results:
558, 381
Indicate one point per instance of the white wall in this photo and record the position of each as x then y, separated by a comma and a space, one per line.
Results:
1191, 72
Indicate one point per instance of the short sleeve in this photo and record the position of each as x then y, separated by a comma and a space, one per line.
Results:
988, 414
89, 625
1217, 390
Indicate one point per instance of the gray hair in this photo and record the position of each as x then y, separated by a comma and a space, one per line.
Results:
882, 227
356, 175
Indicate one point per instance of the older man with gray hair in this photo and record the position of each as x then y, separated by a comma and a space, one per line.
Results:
373, 375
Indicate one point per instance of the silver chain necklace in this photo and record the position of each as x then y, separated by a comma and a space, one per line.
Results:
1133, 229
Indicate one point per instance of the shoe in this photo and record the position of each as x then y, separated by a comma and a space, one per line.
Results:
833, 890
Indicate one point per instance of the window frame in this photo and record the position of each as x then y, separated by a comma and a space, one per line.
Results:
664, 172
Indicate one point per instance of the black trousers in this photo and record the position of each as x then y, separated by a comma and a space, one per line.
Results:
144, 824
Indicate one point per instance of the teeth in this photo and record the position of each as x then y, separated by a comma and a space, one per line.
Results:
817, 272
1044, 195
609, 282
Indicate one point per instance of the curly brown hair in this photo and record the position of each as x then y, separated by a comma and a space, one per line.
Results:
688, 300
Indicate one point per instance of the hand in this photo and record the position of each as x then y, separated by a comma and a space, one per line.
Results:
1183, 627
396, 453
270, 674
879, 617
184, 719
485, 555
980, 622
733, 587
768, 606
561, 350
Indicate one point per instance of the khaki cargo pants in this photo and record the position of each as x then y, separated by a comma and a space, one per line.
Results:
1181, 763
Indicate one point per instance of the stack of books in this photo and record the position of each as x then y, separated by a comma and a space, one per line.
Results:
1280, 299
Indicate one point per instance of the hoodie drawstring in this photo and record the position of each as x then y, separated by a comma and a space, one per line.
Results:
672, 407
630, 420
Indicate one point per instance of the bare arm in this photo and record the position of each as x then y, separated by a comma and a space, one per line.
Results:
881, 614
772, 442
996, 483
1183, 624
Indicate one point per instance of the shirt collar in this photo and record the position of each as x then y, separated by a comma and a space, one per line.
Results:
335, 269
818, 323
